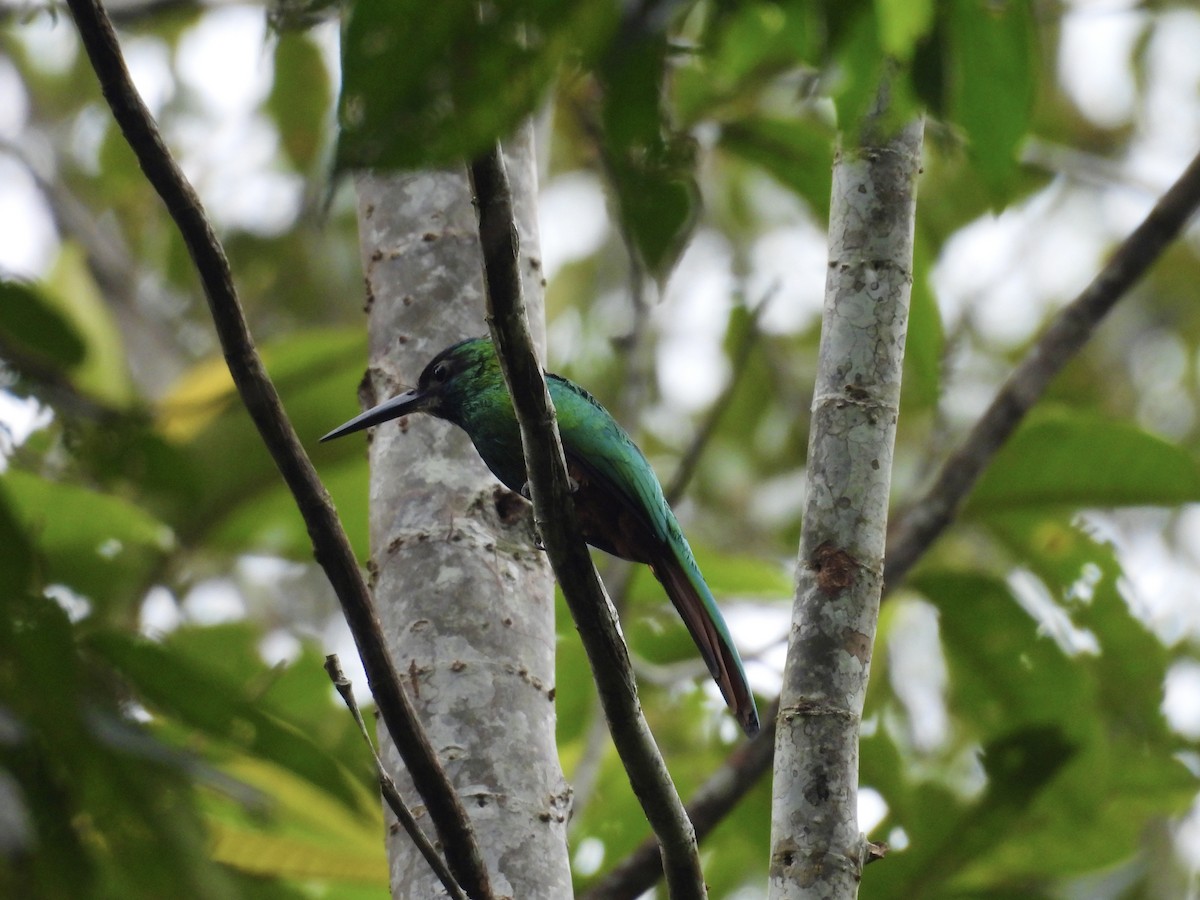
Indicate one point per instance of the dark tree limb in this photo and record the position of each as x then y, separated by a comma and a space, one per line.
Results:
554, 514
330, 545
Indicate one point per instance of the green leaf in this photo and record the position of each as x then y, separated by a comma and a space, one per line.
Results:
1084, 576
32, 329
16, 551
991, 77
104, 370
859, 66
427, 84
109, 806
1072, 460
797, 153
902, 23
216, 706
999, 664
300, 98
99, 545
272, 523
1116, 759
746, 47
925, 342
652, 166
658, 202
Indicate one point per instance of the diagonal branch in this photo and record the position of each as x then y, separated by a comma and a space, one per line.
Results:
556, 522
330, 545
925, 521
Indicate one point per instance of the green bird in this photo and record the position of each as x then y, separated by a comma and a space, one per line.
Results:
618, 499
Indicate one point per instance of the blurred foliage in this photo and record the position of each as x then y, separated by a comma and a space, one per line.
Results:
150, 756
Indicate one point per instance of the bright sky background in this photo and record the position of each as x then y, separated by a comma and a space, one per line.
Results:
1005, 271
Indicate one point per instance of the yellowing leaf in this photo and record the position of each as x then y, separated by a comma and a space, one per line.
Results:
199, 396
289, 857
71, 290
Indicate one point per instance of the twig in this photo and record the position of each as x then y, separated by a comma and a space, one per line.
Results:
330, 545
925, 521
555, 517
391, 794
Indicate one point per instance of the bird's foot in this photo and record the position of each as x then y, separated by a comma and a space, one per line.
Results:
572, 487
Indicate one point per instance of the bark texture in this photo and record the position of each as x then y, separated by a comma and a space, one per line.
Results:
816, 848
465, 598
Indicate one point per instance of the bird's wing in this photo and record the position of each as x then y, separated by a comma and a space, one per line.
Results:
620, 493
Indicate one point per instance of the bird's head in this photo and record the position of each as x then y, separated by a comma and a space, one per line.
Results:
449, 378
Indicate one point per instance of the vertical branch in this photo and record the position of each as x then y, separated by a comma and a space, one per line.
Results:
555, 515
816, 848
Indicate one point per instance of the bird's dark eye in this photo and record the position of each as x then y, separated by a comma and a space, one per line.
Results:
440, 373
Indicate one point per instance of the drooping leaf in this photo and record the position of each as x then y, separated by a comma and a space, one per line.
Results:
104, 370
650, 163
300, 98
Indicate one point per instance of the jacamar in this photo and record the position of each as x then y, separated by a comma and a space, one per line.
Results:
618, 499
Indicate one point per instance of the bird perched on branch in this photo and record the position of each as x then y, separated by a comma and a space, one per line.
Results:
618, 500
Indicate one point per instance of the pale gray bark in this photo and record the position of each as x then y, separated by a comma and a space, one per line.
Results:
465, 599
816, 848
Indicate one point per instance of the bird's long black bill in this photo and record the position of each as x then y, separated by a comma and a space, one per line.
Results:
400, 405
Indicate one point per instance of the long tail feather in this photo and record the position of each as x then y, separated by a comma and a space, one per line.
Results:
721, 657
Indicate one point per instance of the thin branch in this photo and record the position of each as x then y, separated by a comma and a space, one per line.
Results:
555, 516
724, 789
387, 787
1072, 327
330, 545
907, 543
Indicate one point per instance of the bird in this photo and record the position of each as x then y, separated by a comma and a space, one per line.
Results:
618, 499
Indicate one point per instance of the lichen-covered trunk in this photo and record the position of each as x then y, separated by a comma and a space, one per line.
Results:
816, 848
465, 598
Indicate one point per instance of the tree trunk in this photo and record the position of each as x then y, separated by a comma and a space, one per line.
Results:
816, 848
466, 600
